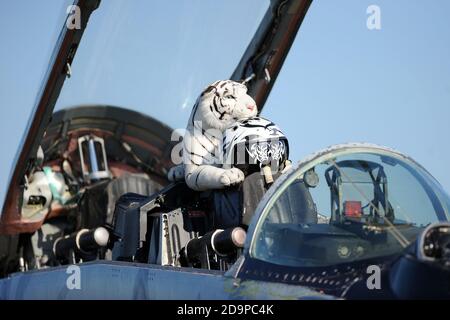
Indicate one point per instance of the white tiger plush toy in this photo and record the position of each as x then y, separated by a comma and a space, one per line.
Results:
219, 105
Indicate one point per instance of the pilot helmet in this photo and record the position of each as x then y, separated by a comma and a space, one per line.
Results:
254, 143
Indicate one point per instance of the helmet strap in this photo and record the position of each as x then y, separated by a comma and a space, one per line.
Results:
267, 172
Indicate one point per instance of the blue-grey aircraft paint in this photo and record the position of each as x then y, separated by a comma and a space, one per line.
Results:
123, 280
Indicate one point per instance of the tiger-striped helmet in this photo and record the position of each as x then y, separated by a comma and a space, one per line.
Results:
253, 143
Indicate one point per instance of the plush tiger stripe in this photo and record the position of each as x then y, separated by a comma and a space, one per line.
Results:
218, 106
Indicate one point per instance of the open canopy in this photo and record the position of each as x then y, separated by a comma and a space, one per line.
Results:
153, 58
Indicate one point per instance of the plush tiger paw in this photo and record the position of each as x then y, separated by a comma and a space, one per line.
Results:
176, 173
231, 177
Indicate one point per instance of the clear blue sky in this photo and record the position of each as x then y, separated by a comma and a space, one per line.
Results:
341, 82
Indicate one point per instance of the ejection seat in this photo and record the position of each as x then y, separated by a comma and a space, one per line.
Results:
237, 206
155, 228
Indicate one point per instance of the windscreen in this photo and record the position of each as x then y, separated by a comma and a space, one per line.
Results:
348, 208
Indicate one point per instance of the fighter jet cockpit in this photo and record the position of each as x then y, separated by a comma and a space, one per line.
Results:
149, 162
343, 208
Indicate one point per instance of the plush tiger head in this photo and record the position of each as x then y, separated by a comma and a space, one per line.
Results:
222, 103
